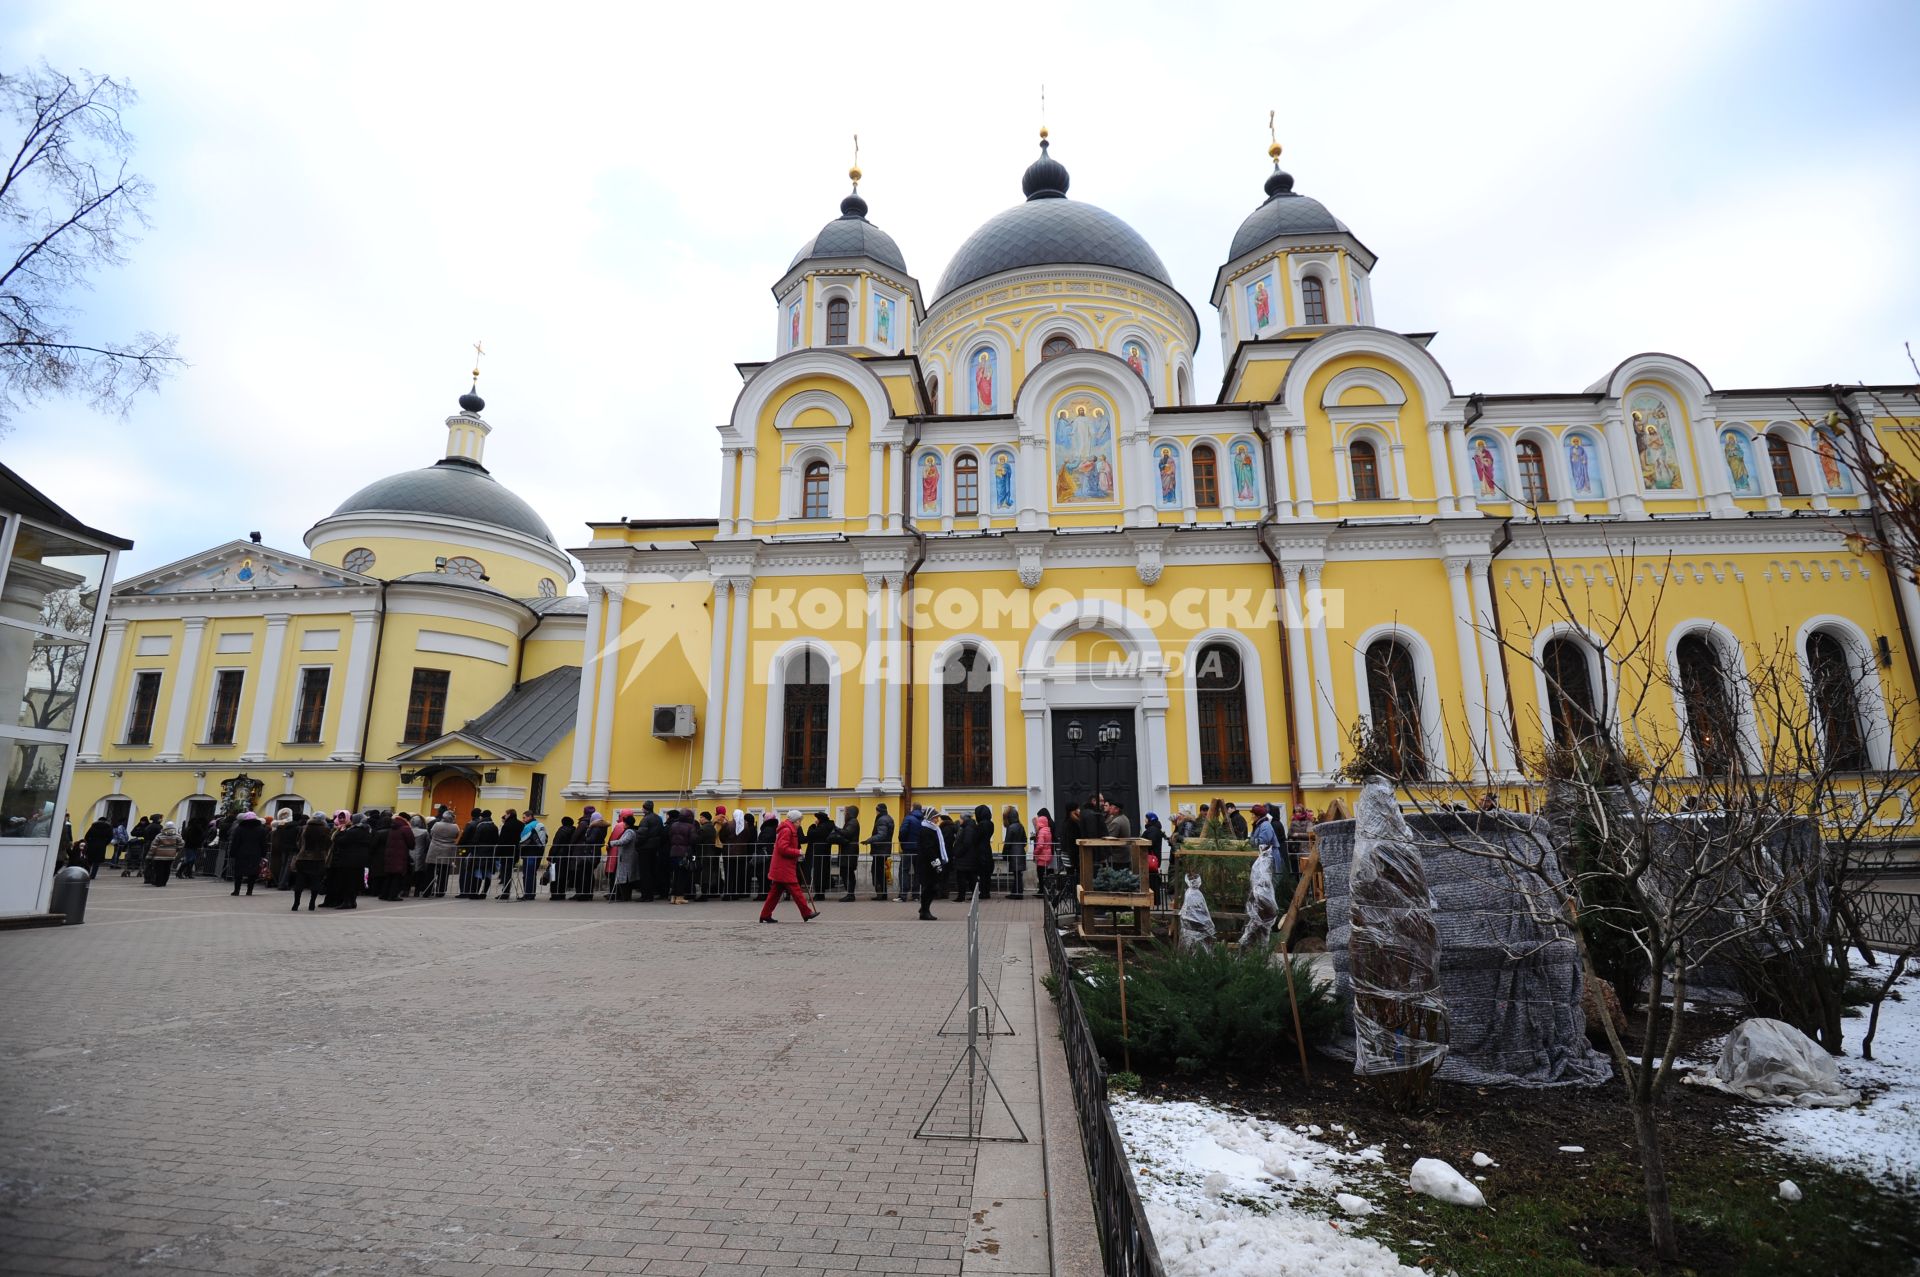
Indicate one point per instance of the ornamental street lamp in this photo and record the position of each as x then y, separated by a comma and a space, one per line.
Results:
1106, 738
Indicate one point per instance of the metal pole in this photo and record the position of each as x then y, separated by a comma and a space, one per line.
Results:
1126, 1052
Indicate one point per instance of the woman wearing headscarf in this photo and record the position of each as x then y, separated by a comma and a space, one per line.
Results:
399, 857
1013, 845
417, 859
560, 858
443, 851
162, 851
681, 831
706, 865
783, 874
245, 848
310, 862
1042, 848
763, 840
820, 853
847, 838
283, 845
347, 865
593, 837
626, 857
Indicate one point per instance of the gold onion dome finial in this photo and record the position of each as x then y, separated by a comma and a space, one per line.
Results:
471, 401
853, 205
1279, 182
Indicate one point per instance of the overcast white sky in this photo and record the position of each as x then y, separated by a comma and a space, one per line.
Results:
347, 196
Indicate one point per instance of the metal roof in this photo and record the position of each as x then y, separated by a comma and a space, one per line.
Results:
452, 487
852, 235
1285, 213
1051, 231
531, 719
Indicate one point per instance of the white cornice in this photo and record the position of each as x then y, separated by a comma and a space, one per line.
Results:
956, 308
440, 529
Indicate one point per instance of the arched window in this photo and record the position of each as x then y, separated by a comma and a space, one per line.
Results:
933, 391
1836, 698
1206, 478
837, 322
462, 566
1181, 391
1365, 463
1572, 702
1533, 472
1224, 756
1055, 346
966, 484
1393, 697
1313, 299
815, 486
1780, 457
1712, 723
803, 764
967, 707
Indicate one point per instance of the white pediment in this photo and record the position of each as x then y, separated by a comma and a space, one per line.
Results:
240, 567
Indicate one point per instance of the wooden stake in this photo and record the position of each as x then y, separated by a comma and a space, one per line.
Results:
1120, 956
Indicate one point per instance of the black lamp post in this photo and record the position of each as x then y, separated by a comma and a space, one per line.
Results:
1105, 739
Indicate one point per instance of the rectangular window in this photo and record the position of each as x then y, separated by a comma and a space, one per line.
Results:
312, 711
146, 698
226, 705
537, 794
426, 706
966, 486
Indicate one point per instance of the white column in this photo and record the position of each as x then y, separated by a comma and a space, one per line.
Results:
192, 637
1437, 458
743, 522
897, 676
601, 764
890, 466
1499, 726
1139, 477
1329, 723
870, 691
1626, 467
1715, 485
1302, 689
728, 459
1282, 475
736, 684
876, 483
1037, 767
1467, 500
1400, 488
1342, 474
1302, 476
353, 708
1472, 690
583, 704
716, 692
1157, 790
106, 667
1910, 600
263, 693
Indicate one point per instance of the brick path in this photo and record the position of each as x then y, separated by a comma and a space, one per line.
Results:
198, 1084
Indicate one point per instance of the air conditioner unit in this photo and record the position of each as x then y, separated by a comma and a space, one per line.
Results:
673, 721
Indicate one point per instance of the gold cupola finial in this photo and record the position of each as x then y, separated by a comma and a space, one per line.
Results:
854, 172
1273, 140
478, 350
1043, 113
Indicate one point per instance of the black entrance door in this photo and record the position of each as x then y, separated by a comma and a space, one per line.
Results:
1085, 767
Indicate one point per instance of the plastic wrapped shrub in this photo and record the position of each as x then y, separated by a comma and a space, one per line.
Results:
1196, 920
1393, 953
1263, 907
1511, 982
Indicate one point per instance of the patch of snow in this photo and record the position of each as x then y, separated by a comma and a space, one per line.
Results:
1572, 1148
1789, 1191
1881, 1137
1436, 1178
1353, 1205
1483, 1161
1233, 1196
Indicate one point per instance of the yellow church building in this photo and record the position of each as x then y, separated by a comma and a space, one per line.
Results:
992, 545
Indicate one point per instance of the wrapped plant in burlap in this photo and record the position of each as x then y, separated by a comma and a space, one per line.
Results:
1399, 1020
1263, 906
1196, 920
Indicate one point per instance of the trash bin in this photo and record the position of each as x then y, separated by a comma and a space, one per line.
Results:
70, 894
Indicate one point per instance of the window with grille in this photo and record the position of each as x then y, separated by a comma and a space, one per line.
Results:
933, 393
837, 322
1221, 693
1836, 697
1365, 463
1206, 478
313, 705
226, 706
1393, 696
1780, 457
146, 698
1572, 704
426, 706
1533, 472
967, 707
1704, 690
537, 794
465, 568
1055, 346
803, 762
1313, 300
966, 484
816, 487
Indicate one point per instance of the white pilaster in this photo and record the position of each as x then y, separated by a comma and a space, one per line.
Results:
583, 704
192, 638
1437, 456
1037, 768
353, 707
897, 676
601, 764
1499, 726
1302, 688
106, 667
743, 521
729, 463
1281, 476
895, 499
1626, 467
736, 685
1715, 484
710, 726
1910, 600
870, 691
1330, 740
1400, 488
264, 691
1472, 688
876, 483
1303, 476
1467, 500
1157, 790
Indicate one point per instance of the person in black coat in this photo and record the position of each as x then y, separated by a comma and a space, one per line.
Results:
560, 857
682, 831
99, 838
1013, 844
650, 848
763, 840
926, 856
511, 827
486, 851
881, 843
246, 847
347, 866
819, 844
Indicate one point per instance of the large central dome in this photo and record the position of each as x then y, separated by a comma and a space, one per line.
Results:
1049, 230
455, 488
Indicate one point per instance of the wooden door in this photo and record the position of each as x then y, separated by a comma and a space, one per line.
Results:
458, 793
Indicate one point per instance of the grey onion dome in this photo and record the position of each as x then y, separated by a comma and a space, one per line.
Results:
1286, 212
1050, 229
454, 488
852, 235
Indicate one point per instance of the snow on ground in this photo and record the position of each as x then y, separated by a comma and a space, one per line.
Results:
1232, 1196
1881, 1137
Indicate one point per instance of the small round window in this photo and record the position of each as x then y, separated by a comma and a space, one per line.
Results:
547, 588
359, 559
465, 567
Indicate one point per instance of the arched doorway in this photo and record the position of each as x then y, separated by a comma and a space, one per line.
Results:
457, 792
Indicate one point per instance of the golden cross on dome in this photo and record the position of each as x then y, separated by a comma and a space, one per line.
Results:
854, 172
1043, 111
1273, 138
477, 352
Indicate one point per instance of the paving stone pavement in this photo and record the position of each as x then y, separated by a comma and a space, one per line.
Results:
201, 1084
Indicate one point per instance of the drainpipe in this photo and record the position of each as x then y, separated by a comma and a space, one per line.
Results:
906, 614
1272, 515
1857, 429
366, 714
1499, 642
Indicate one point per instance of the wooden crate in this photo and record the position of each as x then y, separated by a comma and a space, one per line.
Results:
1110, 851
1113, 904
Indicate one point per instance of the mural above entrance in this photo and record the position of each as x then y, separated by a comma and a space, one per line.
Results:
1081, 451
1653, 437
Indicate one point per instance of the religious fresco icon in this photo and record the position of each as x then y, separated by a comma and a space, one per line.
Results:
793, 325
1483, 453
1260, 316
883, 321
1082, 446
929, 484
1653, 438
1000, 483
1583, 466
1136, 356
1835, 474
1166, 470
981, 367
1246, 488
1733, 446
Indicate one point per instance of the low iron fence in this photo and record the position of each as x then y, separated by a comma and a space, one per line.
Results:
1888, 919
1126, 1241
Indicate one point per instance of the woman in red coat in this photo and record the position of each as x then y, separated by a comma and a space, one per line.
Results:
397, 861
784, 874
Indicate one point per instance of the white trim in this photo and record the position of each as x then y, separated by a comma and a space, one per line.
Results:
743, 424
1045, 688
1383, 469
793, 473
937, 707
450, 644
1392, 393
1057, 324
1876, 730
1733, 668
1432, 729
300, 673
777, 709
1253, 695
213, 704
441, 530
